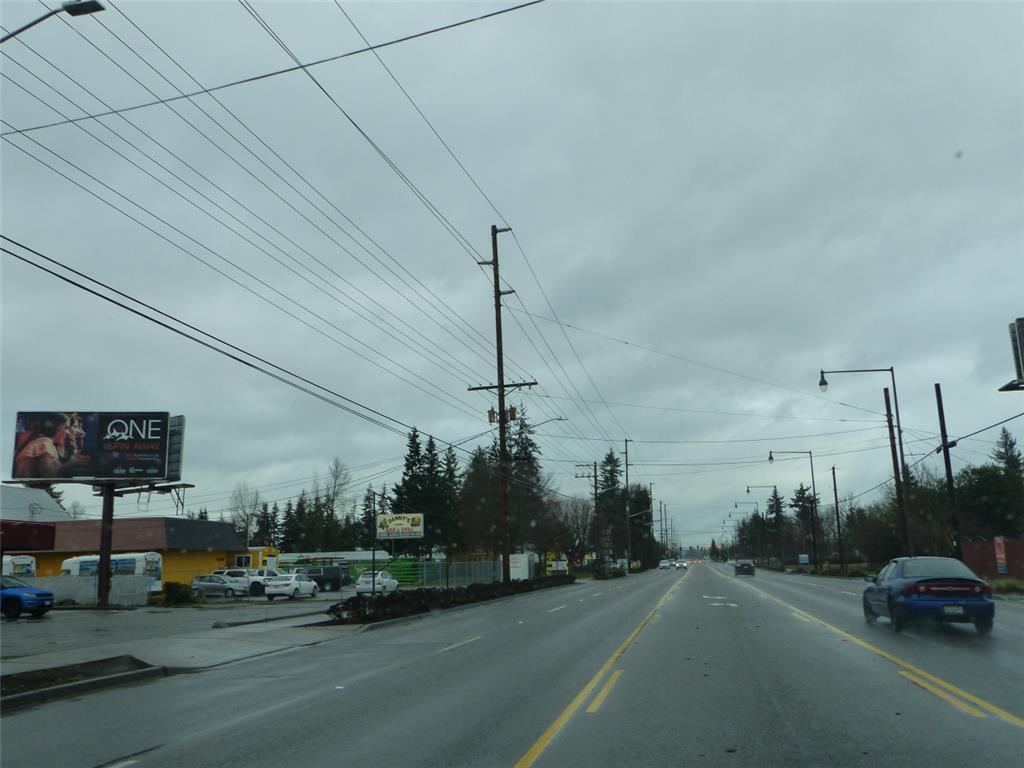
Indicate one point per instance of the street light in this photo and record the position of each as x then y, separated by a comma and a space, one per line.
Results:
547, 421
71, 8
898, 478
814, 500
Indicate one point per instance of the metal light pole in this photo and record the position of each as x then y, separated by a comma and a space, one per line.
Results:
629, 543
814, 501
823, 385
71, 8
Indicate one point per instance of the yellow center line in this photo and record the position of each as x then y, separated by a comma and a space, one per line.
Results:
947, 697
603, 693
991, 708
566, 714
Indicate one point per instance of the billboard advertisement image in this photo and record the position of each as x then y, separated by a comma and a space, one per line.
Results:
81, 446
400, 526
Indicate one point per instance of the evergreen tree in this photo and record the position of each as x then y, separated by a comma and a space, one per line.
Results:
368, 521
611, 507
291, 533
1007, 455
478, 504
527, 493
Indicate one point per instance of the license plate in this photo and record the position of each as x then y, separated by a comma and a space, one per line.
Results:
953, 610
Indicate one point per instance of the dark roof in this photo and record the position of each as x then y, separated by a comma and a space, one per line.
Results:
144, 534
183, 533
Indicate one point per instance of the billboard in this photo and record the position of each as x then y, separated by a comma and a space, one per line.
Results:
81, 446
400, 526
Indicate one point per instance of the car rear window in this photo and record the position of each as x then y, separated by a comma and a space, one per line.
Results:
926, 567
280, 579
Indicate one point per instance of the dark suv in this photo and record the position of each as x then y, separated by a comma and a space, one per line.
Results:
327, 577
744, 567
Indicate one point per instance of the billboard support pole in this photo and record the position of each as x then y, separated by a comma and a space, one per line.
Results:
106, 541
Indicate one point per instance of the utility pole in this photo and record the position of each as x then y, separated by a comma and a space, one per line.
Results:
897, 472
629, 543
598, 529
506, 574
950, 489
839, 527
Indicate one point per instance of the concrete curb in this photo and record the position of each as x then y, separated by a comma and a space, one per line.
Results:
29, 698
406, 619
228, 624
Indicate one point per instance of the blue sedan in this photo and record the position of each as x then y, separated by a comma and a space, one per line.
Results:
937, 589
16, 596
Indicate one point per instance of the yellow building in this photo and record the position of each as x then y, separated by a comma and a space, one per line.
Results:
188, 547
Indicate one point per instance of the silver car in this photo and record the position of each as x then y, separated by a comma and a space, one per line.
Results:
214, 585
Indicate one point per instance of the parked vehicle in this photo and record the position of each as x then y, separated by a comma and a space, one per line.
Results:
19, 565
214, 585
16, 597
242, 577
376, 582
291, 585
258, 579
938, 589
743, 568
327, 577
148, 564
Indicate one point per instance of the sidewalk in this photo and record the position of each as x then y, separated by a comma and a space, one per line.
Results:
195, 650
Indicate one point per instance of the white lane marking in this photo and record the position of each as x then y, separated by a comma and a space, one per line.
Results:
556, 609
123, 764
596, 594
714, 597
731, 605
339, 687
851, 594
457, 645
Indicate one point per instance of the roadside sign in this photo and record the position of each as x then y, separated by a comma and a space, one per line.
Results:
1000, 543
400, 526
805, 559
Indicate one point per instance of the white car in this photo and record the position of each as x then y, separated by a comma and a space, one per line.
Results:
383, 584
290, 585
664, 565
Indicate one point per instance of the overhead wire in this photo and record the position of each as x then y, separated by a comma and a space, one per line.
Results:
285, 70
589, 412
443, 306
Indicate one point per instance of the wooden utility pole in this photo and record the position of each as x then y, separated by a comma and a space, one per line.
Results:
503, 460
629, 543
954, 518
897, 473
839, 526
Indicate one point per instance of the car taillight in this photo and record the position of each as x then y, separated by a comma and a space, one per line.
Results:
910, 589
984, 589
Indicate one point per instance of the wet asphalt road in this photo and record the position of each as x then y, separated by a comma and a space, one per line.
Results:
657, 669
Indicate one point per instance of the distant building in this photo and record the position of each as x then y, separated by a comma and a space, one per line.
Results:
30, 505
188, 547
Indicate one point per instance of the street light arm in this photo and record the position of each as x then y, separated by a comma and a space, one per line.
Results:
19, 30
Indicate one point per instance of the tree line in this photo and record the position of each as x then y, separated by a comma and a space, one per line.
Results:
460, 506
989, 501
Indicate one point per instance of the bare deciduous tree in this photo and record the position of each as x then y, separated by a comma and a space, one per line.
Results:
244, 507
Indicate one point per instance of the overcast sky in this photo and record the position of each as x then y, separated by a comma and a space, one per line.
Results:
746, 193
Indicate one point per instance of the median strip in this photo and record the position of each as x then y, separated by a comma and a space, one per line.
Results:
962, 706
603, 693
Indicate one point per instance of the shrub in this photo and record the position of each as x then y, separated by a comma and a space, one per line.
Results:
176, 593
362, 609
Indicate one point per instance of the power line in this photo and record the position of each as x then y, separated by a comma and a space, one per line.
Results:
243, 145
275, 73
451, 402
382, 421
709, 366
734, 440
201, 209
479, 189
